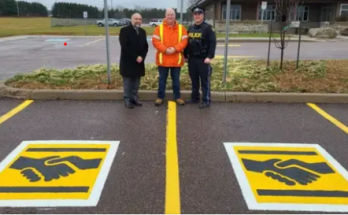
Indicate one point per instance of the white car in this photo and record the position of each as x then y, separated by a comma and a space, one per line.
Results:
112, 22
156, 23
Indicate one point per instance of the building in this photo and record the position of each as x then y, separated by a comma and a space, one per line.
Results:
311, 12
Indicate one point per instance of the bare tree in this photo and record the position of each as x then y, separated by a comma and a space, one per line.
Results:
285, 13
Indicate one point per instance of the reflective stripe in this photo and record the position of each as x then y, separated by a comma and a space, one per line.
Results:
184, 37
180, 38
157, 37
161, 37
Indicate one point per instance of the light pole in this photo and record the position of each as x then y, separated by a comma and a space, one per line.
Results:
226, 38
107, 39
181, 10
17, 8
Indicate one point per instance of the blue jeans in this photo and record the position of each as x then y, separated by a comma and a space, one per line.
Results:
163, 75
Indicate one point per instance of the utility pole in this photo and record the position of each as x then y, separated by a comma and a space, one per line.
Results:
17, 8
228, 11
107, 39
181, 10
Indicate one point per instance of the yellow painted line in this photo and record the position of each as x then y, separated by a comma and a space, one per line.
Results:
14, 111
229, 45
95, 41
329, 117
172, 199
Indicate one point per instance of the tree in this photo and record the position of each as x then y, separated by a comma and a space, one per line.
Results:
73, 10
284, 15
32, 9
8, 8
3, 9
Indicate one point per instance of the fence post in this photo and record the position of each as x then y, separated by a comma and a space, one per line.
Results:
269, 43
299, 44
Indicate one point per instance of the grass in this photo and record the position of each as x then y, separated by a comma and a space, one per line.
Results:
243, 76
41, 26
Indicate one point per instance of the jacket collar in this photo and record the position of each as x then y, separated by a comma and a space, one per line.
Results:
166, 24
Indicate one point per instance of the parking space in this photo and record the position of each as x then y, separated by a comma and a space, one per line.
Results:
209, 183
232, 158
135, 183
26, 54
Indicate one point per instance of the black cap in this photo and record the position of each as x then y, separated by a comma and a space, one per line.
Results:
197, 9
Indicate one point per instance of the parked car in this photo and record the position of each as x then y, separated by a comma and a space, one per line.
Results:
112, 22
125, 21
156, 22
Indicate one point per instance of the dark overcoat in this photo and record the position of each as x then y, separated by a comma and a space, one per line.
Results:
133, 45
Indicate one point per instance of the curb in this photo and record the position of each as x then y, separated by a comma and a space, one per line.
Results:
222, 40
236, 97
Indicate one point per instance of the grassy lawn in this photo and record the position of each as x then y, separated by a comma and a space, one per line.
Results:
40, 26
243, 76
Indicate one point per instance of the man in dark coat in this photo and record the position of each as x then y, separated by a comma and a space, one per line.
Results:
134, 48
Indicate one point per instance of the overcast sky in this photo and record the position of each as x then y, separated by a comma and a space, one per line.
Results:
124, 3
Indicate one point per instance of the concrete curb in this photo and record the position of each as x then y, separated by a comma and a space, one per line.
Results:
257, 40
238, 97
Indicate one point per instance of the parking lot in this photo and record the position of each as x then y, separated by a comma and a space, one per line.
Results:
28, 53
176, 159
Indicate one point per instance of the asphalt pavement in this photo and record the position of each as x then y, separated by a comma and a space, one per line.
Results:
28, 53
136, 182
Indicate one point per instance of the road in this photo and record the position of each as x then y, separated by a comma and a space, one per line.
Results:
27, 54
174, 159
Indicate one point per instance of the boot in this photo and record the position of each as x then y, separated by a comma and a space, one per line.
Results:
128, 104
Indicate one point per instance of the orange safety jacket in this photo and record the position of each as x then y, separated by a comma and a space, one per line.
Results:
166, 36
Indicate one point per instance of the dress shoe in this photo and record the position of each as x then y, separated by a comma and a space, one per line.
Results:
128, 104
137, 103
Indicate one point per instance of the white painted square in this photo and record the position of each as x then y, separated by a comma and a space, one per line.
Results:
96, 189
249, 195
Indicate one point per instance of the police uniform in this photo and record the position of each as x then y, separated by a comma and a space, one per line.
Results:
201, 45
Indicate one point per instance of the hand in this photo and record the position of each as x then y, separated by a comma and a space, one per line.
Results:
52, 167
207, 60
322, 168
288, 175
30, 166
170, 50
139, 59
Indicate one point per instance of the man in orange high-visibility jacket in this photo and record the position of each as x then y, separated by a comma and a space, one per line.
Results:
170, 40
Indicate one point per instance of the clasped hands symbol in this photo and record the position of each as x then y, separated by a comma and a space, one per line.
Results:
52, 167
290, 171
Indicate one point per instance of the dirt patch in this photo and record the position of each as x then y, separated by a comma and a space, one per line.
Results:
243, 76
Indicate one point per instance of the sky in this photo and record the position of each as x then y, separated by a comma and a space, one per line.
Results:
124, 3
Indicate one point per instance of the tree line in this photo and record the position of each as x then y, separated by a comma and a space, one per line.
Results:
9, 8
74, 10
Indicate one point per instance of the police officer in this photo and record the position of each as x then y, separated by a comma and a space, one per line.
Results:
199, 53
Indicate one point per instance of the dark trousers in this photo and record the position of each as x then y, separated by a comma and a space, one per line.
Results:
163, 75
200, 74
131, 88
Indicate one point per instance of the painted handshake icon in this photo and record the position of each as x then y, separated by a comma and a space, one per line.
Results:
53, 167
290, 171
